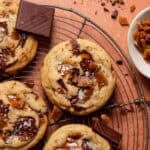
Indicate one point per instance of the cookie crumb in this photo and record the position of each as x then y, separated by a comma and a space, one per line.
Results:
123, 21
96, 12
106, 118
102, 4
114, 14
74, 2
106, 9
119, 62
132, 8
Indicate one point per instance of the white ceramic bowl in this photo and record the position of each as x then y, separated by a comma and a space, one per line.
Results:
140, 63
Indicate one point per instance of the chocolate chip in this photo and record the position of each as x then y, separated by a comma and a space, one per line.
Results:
114, 14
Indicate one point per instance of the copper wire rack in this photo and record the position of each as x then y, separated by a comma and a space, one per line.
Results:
126, 108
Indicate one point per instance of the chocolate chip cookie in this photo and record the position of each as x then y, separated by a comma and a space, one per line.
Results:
22, 116
77, 76
16, 49
76, 137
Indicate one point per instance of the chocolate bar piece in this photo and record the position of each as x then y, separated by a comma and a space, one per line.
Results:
34, 18
110, 134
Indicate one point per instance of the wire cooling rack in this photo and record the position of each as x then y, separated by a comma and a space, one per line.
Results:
127, 108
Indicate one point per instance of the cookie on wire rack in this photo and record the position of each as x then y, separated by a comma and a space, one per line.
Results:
16, 49
77, 137
23, 120
77, 76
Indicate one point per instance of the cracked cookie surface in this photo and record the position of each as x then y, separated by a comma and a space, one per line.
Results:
77, 76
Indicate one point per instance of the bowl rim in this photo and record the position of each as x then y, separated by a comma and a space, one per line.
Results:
137, 17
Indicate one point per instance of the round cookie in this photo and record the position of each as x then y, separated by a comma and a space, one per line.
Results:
23, 120
77, 76
77, 137
16, 49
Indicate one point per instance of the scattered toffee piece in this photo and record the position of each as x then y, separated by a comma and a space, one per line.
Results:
123, 21
132, 8
25, 128
119, 62
110, 134
114, 14
38, 22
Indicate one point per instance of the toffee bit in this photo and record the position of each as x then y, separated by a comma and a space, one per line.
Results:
123, 21
132, 8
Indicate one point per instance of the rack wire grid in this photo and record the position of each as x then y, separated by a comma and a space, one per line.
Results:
127, 108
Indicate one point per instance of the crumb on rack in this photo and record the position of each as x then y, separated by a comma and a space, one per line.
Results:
114, 14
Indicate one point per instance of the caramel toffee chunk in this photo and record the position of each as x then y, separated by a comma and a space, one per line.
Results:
142, 38
76, 136
16, 49
22, 116
77, 74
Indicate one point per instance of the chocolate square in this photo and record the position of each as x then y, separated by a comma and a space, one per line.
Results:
34, 18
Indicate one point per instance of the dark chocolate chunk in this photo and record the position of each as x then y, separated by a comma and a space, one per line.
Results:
114, 14
110, 134
25, 128
35, 19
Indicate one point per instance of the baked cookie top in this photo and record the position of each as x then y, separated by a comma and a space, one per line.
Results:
77, 76
16, 49
77, 137
22, 116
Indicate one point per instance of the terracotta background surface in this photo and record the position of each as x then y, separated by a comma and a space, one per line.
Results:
94, 10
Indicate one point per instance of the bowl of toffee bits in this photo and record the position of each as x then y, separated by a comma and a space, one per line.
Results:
139, 41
